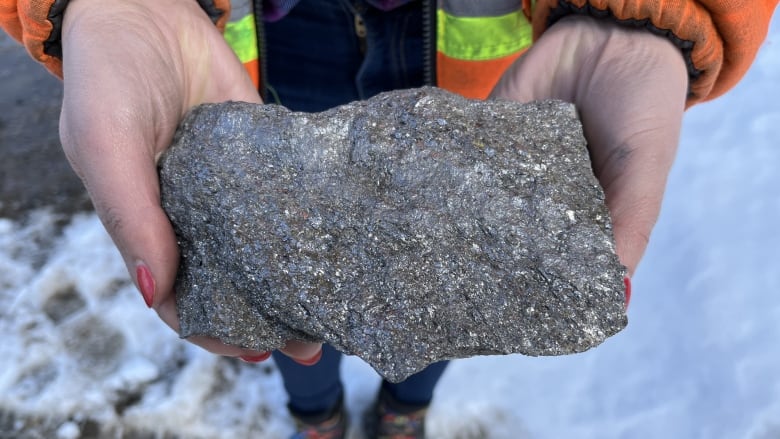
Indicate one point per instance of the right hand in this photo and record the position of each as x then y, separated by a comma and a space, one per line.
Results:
131, 69
629, 86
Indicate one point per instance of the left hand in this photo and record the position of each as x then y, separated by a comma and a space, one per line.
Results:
132, 69
629, 87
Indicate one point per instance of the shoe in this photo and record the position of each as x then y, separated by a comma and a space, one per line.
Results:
389, 419
333, 427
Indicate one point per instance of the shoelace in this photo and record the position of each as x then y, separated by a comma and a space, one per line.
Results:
402, 426
334, 428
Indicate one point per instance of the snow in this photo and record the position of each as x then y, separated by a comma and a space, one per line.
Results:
699, 359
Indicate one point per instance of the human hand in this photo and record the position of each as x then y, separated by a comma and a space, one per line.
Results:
131, 70
629, 87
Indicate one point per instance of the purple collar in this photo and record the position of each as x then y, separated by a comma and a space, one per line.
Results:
274, 10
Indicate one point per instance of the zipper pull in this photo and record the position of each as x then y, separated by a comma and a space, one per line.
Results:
361, 32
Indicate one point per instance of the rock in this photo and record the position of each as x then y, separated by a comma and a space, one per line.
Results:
412, 227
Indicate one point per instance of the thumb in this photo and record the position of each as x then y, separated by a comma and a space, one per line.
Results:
125, 193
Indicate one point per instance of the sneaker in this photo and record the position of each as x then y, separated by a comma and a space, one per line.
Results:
333, 427
389, 419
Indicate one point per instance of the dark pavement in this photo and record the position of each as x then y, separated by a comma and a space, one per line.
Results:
34, 172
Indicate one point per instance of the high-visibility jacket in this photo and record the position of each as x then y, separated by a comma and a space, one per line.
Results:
470, 43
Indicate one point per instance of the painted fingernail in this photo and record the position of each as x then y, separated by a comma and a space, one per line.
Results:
627, 283
311, 361
145, 283
255, 358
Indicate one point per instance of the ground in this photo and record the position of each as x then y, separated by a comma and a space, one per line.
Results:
34, 170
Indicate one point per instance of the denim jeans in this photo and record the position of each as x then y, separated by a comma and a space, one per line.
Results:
316, 59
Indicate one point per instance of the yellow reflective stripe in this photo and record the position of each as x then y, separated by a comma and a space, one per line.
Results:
242, 37
482, 38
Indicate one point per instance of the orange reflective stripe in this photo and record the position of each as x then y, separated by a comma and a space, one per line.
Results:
476, 42
253, 68
472, 79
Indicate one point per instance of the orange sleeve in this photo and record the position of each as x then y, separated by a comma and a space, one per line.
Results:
37, 25
718, 38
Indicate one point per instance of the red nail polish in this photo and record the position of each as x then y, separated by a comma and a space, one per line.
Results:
255, 358
627, 283
311, 361
145, 283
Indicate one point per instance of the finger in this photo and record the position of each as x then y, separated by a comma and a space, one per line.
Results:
634, 201
168, 313
527, 79
302, 352
297, 350
632, 148
632, 152
120, 175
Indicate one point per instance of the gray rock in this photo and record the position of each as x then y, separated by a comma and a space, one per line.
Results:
409, 228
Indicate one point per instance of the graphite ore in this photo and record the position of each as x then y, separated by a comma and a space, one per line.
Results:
412, 227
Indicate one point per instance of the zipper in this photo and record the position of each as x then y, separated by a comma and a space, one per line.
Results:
429, 41
428, 33
361, 32
262, 66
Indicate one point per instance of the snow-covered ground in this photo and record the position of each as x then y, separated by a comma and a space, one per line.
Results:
80, 356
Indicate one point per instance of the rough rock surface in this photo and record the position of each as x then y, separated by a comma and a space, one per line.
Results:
409, 228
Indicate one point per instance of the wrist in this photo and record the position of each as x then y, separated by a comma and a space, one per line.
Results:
63, 12
589, 43
714, 53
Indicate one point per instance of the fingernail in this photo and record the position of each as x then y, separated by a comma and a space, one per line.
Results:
255, 358
145, 283
311, 361
627, 283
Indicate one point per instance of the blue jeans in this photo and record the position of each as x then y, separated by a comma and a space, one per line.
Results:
316, 60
